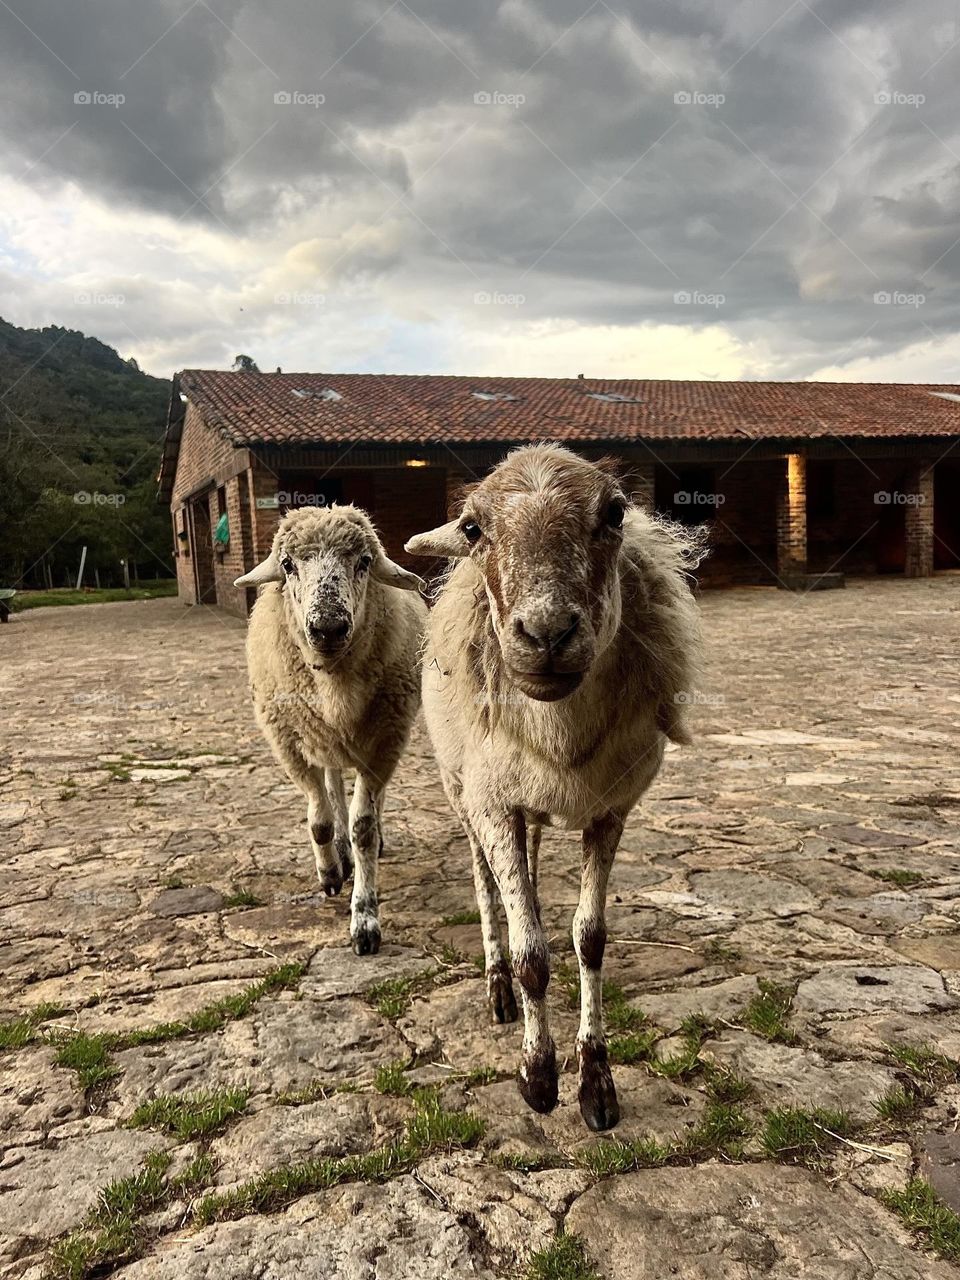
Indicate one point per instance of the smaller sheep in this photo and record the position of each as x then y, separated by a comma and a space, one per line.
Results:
333, 653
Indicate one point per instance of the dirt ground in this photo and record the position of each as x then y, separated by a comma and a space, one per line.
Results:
794, 878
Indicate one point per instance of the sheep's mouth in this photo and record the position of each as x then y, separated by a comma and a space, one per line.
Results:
547, 686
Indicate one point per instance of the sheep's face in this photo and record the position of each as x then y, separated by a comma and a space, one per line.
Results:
545, 531
324, 560
326, 569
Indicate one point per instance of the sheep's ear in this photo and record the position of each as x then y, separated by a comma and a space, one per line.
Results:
267, 571
391, 575
446, 541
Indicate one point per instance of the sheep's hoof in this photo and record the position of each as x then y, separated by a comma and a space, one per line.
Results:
597, 1094
503, 1004
538, 1081
366, 939
331, 881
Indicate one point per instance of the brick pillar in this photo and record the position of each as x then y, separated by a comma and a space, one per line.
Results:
919, 521
792, 522
264, 520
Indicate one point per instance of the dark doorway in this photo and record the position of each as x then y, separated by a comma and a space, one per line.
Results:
946, 515
206, 582
891, 534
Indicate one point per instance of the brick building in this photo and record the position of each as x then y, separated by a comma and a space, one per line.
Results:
797, 479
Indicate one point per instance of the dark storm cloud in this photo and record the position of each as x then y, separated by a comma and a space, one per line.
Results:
798, 161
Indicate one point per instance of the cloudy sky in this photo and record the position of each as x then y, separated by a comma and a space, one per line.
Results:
676, 188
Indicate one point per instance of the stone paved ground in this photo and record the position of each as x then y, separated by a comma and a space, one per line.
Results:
137, 802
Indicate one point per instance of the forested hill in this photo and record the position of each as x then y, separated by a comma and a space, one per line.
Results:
80, 435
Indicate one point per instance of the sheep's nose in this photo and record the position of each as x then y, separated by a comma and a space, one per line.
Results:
547, 635
326, 635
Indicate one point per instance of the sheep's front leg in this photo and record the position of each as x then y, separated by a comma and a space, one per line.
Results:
365, 839
503, 1003
503, 838
310, 780
598, 1097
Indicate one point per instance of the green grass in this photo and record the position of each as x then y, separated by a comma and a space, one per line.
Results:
462, 917
242, 898
936, 1227
610, 1157
899, 1105
721, 1132
479, 1076
17, 1032
430, 1130
89, 1056
191, 1116
902, 879
216, 1015
91, 595
110, 1233
530, 1162
925, 1063
724, 1085
391, 998
564, 1258
766, 1014
795, 1136
632, 1047
197, 1174
392, 1080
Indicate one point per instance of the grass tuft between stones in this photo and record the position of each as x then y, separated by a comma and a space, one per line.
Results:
19, 1031
564, 1258
462, 917
391, 998
190, 1116
239, 897
766, 1014
925, 1063
899, 1105
721, 1131
794, 1136
429, 1130
935, 1225
89, 1054
901, 878
112, 1232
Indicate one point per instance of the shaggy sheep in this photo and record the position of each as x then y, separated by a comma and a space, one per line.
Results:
333, 653
556, 667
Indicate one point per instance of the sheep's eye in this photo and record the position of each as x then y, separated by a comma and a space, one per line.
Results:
471, 531
288, 567
364, 563
615, 514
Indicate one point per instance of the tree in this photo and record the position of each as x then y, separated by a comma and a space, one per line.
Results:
245, 364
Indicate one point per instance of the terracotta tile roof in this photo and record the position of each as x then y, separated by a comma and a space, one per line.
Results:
336, 408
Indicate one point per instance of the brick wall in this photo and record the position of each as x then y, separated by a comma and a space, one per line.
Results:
204, 457
792, 518
919, 520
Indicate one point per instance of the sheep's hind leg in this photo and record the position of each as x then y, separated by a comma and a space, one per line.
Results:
503, 837
597, 1094
341, 820
366, 840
